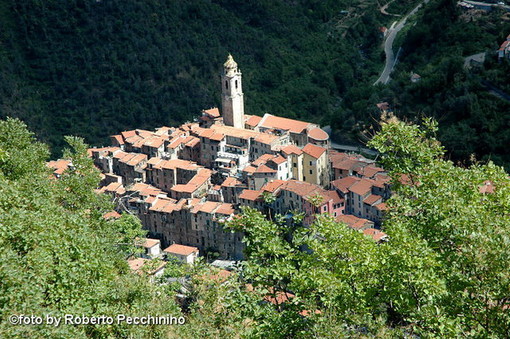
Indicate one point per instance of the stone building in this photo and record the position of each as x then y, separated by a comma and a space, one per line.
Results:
232, 100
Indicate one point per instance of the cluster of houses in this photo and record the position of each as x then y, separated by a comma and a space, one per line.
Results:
504, 49
185, 182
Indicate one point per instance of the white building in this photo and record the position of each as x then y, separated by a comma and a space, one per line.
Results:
152, 248
185, 254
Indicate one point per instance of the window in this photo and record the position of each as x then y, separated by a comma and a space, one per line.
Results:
325, 208
310, 163
226, 84
311, 171
236, 84
295, 165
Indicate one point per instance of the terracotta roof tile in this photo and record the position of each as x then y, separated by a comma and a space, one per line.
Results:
377, 235
382, 206
372, 199
127, 134
251, 195
178, 163
262, 159
149, 243
304, 189
354, 222
115, 187
118, 138
278, 159
136, 264
245, 134
164, 130
58, 166
184, 188
314, 150
253, 120
177, 141
273, 185
295, 126
318, 134
278, 297
193, 142
344, 183
181, 249
264, 169
151, 200
136, 160
144, 189
208, 207
370, 170
213, 112
250, 169
337, 199
111, 215
362, 187
154, 141
231, 182
292, 149
487, 187
349, 164
227, 209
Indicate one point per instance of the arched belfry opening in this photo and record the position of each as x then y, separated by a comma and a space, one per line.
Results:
232, 101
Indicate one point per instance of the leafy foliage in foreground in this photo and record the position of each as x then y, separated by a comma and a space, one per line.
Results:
466, 229
57, 254
443, 273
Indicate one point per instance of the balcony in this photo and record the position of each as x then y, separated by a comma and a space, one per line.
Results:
228, 155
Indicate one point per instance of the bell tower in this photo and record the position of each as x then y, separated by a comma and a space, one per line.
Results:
232, 101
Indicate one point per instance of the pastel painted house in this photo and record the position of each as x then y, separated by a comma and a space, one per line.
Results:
148, 267
152, 248
185, 254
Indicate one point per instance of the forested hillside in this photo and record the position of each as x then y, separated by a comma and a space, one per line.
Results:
92, 68
473, 121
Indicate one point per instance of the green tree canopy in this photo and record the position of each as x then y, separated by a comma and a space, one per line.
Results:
58, 255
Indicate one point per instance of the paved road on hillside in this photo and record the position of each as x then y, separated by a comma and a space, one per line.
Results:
348, 148
481, 4
355, 149
388, 46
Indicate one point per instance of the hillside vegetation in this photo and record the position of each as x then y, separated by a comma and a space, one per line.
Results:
93, 68
473, 122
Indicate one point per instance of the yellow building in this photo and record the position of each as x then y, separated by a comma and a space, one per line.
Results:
315, 165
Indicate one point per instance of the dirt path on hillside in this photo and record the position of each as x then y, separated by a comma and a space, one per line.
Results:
383, 9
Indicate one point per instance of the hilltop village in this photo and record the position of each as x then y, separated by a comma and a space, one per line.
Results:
185, 182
